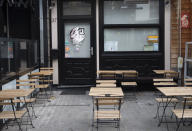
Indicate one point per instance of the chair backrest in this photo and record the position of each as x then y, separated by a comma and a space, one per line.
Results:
164, 82
107, 76
107, 102
130, 75
106, 81
188, 82
174, 75
26, 83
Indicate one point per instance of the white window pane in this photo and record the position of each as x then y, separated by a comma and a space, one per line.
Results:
131, 12
76, 8
132, 39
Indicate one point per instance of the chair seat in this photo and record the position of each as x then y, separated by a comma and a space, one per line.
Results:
179, 113
163, 100
10, 114
110, 114
42, 86
128, 83
24, 101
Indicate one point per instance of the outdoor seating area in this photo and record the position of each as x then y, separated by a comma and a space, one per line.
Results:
106, 103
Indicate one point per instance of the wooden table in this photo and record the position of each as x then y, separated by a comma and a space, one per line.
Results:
11, 95
176, 91
171, 92
95, 91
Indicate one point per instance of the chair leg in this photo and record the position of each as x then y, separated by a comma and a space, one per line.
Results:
174, 109
33, 111
157, 113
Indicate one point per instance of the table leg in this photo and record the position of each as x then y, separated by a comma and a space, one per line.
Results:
181, 121
164, 111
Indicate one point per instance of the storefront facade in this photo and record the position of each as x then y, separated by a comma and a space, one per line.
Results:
111, 35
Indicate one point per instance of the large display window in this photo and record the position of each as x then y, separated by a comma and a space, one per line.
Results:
132, 35
131, 25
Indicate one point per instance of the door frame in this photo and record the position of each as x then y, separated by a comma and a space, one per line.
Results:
75, 19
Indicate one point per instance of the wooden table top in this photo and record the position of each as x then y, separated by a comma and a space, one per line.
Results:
11, 94
164, 71
176, 91
95, 91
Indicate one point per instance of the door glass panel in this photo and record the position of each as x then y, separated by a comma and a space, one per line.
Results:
76, 8
77, 40
131, 12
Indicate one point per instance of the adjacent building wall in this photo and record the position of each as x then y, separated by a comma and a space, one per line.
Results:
186, 34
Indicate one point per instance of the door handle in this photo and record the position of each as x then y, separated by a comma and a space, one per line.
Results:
91, 50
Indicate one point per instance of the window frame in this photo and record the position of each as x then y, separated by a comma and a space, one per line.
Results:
103, 26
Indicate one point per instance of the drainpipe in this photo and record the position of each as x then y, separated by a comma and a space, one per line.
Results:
180, 40
179, 27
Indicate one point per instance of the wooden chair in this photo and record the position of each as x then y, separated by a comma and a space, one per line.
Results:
129, 80
160, 99
43, 84
107, 110
188, 83
29, 101
13, 115
182, 114
172, 75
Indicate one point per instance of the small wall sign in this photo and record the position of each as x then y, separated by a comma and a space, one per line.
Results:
185, 22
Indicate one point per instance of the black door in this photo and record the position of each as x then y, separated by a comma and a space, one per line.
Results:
77, 63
